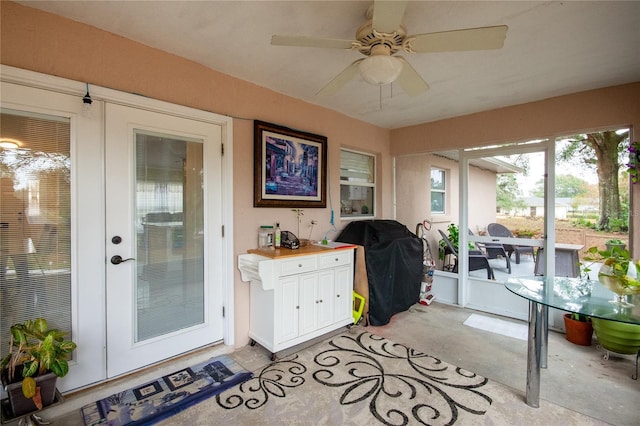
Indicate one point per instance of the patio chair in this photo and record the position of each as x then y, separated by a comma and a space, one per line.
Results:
498, 230
494, 251
477, 260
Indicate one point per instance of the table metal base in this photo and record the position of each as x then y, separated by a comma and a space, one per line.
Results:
536, 350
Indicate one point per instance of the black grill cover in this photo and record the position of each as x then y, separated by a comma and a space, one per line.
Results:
394, 265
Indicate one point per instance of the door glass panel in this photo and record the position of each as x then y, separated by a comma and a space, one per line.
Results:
169, 215
35, 222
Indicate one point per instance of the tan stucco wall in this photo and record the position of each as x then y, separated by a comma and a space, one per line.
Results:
42, 42
612, 107
413, 194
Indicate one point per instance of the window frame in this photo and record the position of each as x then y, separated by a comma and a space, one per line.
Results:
350, 183
443, 191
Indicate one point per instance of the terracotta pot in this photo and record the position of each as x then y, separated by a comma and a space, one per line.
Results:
578, 332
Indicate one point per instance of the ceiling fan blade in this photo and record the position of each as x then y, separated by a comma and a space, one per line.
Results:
387, 15
340, 80
459, 40
410, 80
305, 41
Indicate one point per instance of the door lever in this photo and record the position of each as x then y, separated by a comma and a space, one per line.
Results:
116, 260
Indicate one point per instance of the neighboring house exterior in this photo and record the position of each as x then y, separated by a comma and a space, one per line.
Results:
534, 207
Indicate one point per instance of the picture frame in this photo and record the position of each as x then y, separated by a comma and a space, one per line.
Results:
290, 167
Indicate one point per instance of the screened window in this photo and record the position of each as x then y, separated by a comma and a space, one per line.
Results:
357, 184
438, 191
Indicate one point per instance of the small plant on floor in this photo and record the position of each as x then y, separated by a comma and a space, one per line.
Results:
37, 350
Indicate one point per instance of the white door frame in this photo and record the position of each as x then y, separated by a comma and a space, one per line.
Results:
61, 85
504, 305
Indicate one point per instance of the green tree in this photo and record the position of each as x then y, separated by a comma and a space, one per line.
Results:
567, 186
604, 151
508, 193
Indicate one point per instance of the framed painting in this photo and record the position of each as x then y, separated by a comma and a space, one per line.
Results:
290, 167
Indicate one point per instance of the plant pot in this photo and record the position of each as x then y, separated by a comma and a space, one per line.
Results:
21, 405
611, 246
578, 332
617, 336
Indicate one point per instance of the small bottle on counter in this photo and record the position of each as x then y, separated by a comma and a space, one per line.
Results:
277, 236
265, 237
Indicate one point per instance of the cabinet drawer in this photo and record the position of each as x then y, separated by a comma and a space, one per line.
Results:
342, 257
298, 265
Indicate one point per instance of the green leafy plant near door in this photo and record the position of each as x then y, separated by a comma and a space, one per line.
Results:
35, 351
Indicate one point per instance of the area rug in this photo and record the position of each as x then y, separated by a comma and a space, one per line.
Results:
353, 379
161, 398
498, 326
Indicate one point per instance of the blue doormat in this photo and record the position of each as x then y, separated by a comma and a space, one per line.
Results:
161, 398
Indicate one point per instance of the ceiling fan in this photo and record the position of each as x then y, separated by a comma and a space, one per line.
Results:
382, 36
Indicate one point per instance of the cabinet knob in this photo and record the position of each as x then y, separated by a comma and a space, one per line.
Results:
299, 265
336, 259
297, 307
337, 295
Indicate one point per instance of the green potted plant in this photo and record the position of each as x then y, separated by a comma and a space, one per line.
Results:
37, 357
453, 234
615, 242
619, 273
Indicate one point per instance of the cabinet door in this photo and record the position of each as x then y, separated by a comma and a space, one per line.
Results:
307, 284
287, 309
343, 298
324, 298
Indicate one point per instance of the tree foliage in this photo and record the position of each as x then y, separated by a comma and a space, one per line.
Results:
567, 186
508, 192
603, 151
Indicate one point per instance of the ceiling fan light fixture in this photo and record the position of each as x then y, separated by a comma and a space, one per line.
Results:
380, 69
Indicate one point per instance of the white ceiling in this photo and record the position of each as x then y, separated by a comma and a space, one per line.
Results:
552, 48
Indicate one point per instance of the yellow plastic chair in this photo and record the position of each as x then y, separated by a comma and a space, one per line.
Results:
358, 300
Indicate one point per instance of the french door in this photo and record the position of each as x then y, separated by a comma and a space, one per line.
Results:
82, 187
52, 226
163, 232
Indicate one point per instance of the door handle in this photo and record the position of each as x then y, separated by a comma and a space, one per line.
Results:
116, 260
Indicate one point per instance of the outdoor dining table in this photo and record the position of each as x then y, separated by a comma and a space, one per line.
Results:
577, 295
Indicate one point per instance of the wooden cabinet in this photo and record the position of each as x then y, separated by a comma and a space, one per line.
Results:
297, 297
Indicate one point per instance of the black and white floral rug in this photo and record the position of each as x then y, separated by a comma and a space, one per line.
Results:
351, 379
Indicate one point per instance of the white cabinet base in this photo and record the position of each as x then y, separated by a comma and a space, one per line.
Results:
297, 297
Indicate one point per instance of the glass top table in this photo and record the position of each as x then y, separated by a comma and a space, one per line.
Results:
576, 295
